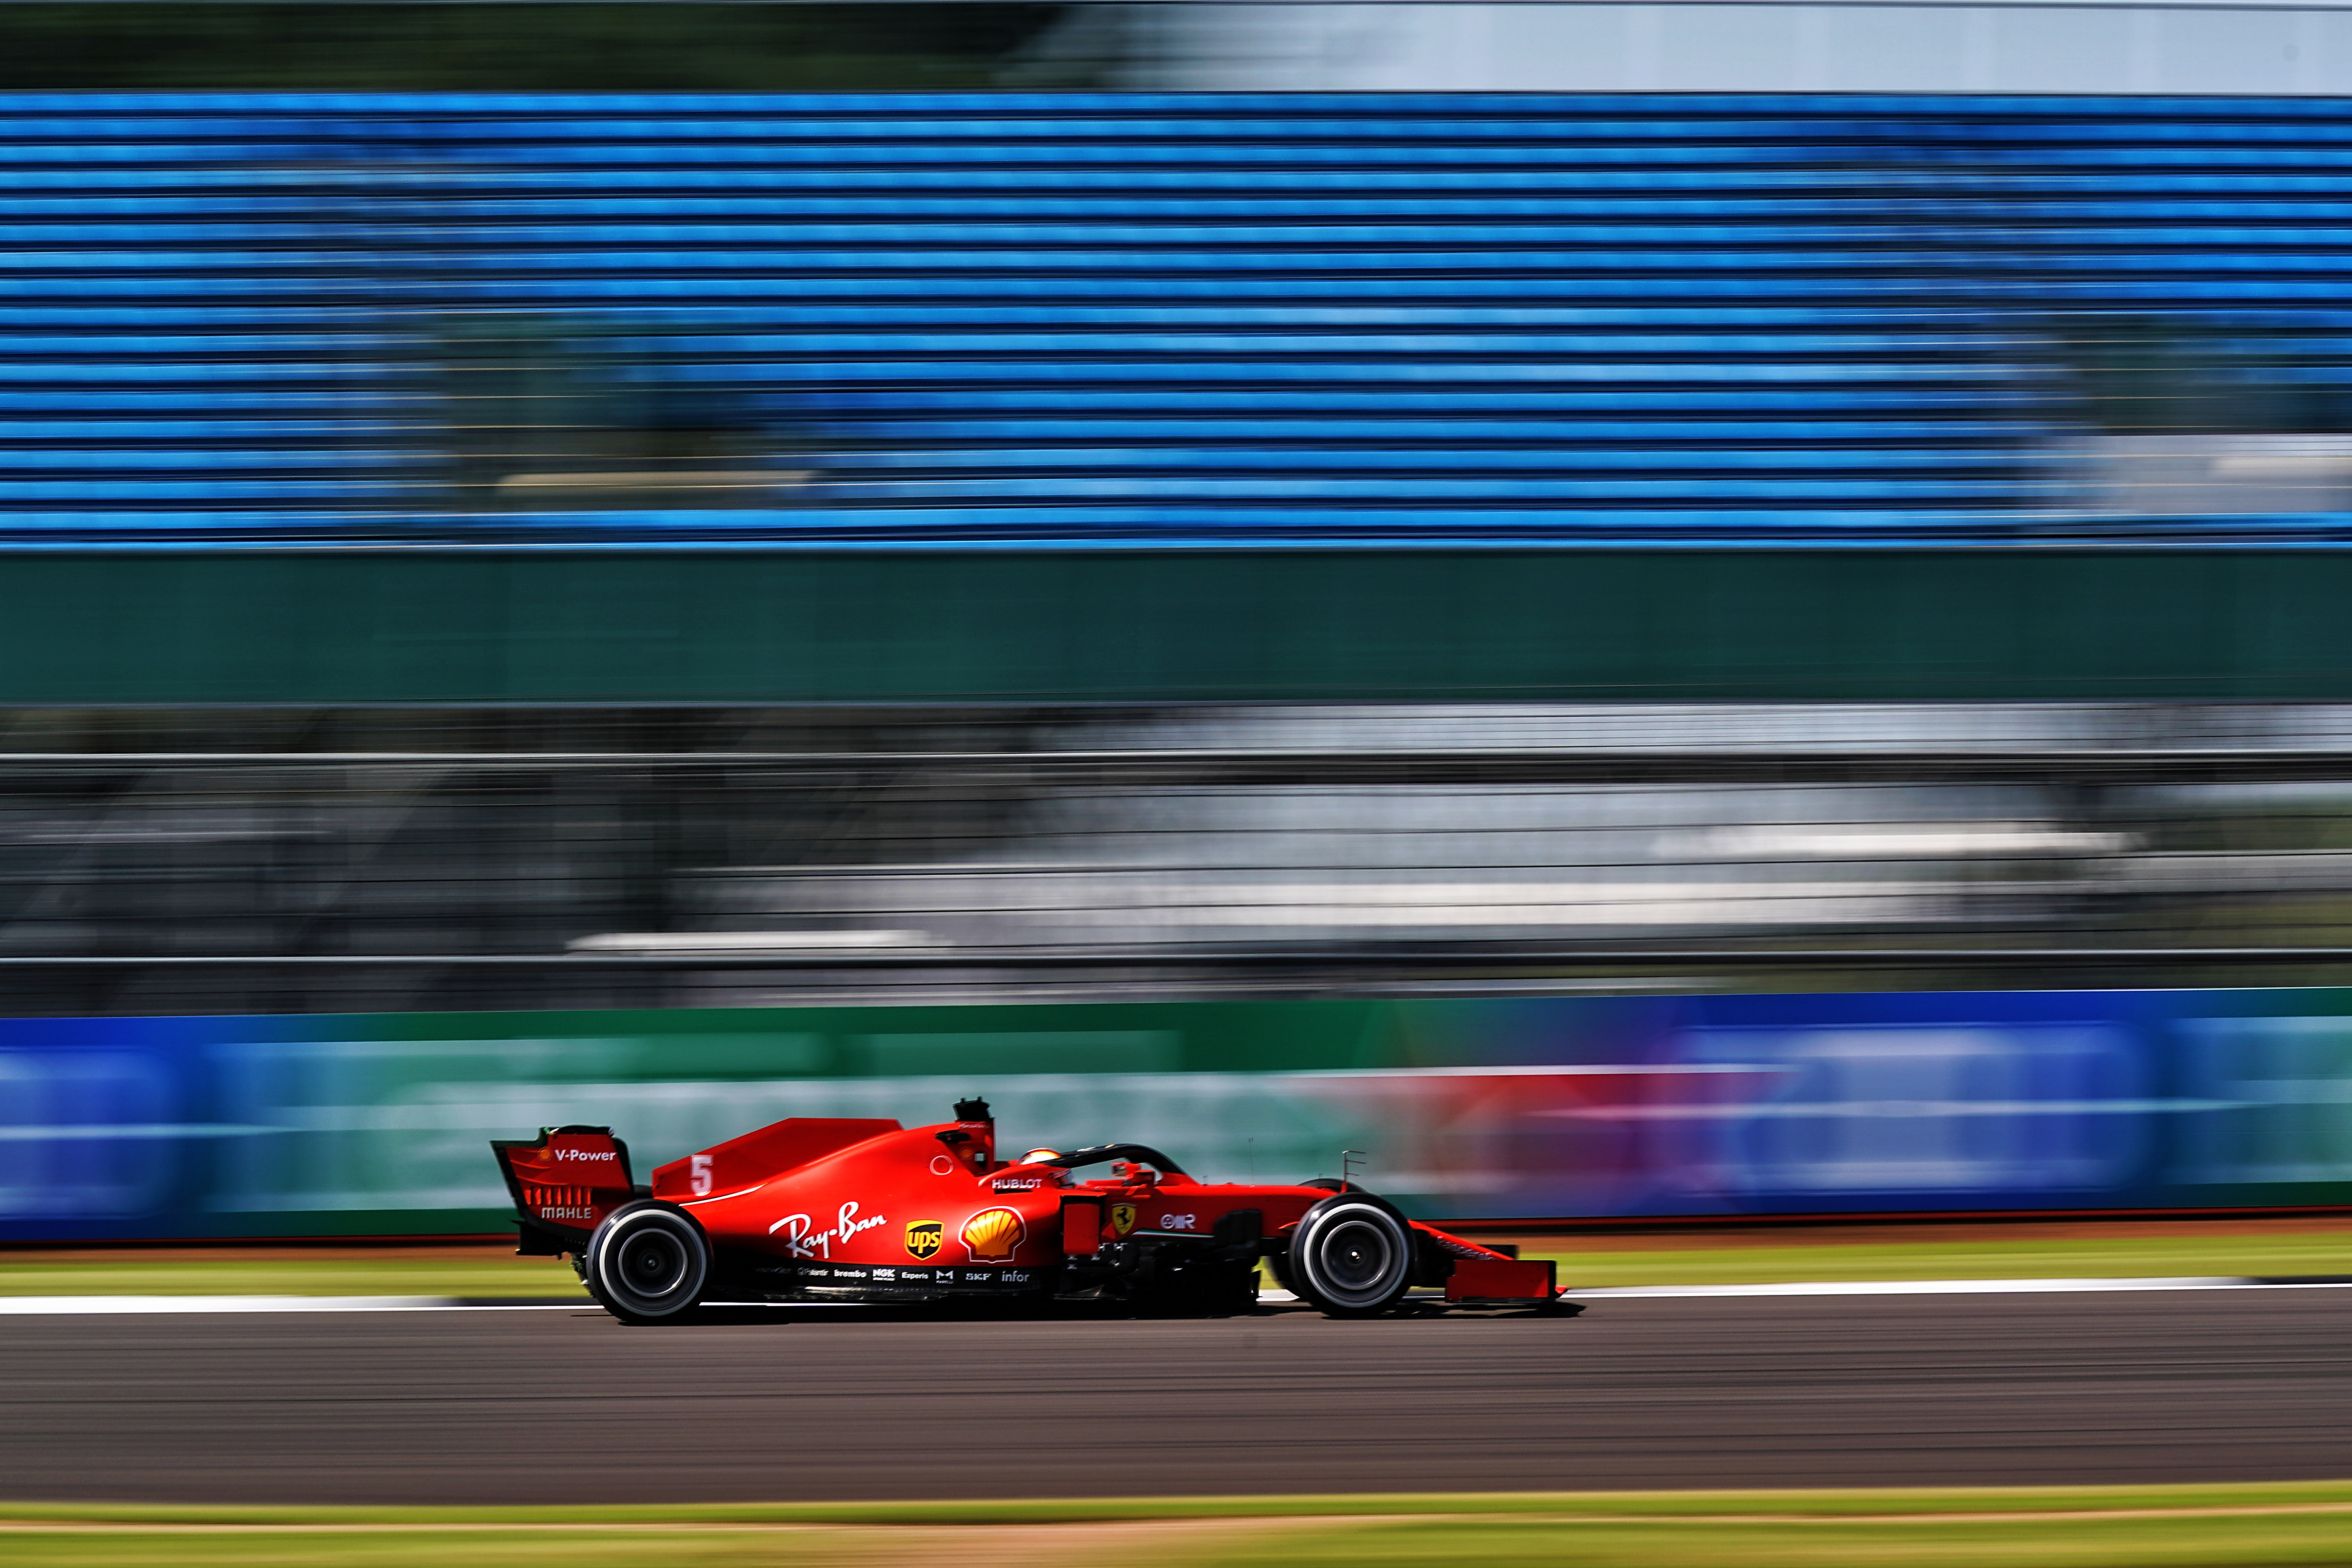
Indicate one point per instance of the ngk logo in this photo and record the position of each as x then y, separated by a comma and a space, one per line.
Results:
586, 1155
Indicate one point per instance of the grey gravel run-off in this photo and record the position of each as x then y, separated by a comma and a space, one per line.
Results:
555, 1406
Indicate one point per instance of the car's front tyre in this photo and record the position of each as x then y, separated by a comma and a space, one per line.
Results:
1350, 1255
647, 1262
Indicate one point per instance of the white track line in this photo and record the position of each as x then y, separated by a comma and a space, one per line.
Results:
1917, 1286
37, 1306
27, 1306
1951, 1287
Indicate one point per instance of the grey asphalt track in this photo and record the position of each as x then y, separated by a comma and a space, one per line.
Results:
558, 1407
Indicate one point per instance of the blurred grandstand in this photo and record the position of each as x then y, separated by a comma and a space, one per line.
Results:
694, 544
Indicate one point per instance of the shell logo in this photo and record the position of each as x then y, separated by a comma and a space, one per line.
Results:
991, 1236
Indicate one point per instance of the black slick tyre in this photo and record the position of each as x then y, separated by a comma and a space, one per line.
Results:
648, 1262
1350, 1256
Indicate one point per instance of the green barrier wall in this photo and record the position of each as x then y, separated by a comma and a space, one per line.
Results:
356, 626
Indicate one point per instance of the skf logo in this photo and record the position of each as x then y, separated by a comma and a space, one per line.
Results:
991, 1236
1122, 1218
923, 1236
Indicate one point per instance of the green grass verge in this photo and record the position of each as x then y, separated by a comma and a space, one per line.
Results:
2029, 1258
2219, 1251
2125, 1527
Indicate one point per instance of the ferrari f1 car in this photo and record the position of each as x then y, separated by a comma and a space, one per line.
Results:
834, 1208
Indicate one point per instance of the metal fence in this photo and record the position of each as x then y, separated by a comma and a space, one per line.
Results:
383, 858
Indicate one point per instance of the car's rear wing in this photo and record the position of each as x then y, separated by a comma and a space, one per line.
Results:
563, 1181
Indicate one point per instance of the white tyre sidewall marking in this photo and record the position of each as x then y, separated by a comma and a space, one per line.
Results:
1305, 1261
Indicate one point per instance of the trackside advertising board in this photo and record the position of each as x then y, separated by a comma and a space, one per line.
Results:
1567, 1107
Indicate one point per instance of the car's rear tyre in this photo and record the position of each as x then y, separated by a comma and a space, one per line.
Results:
1350, 1255
648, 1262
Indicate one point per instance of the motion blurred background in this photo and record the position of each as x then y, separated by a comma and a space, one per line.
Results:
1645, 610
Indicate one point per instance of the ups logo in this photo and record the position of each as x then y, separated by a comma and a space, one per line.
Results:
1122, 1218
923, 1236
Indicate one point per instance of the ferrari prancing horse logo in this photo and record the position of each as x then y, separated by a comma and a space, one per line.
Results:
923, 1236
1122, 1218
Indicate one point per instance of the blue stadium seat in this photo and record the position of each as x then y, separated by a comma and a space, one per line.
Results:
1074, 320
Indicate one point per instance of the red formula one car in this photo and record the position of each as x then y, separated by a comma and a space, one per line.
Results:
832, 1209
